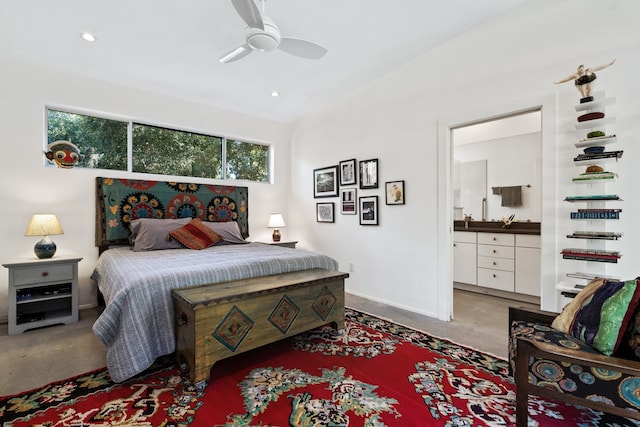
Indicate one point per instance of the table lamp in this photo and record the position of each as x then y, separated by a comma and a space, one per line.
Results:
44, 225
276, 221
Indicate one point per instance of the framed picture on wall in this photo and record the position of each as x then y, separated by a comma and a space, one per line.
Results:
369, 174
369, 210
325, 182
324, 212
348, 201
348, 172
394, 191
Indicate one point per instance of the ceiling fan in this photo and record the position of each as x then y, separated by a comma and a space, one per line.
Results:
263, 35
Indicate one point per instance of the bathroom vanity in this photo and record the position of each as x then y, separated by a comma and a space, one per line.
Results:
494, 260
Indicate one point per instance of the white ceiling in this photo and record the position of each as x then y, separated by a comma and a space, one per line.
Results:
172, 46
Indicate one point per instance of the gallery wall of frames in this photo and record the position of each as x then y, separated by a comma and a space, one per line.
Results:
356, 185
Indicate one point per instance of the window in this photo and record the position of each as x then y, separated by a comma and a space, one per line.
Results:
247, 161
103, 143
173, 152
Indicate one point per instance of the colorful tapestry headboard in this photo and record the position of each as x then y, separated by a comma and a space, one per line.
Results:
119, 201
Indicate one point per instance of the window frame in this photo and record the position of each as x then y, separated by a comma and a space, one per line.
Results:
131, 121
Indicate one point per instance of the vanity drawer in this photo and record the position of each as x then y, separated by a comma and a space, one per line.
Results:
496, 251
464, 236
505, 264
503, 239
42, 274
496, 279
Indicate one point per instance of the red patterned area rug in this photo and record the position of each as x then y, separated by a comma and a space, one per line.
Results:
376, 374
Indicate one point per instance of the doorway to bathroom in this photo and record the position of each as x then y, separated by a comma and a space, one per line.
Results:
496, 184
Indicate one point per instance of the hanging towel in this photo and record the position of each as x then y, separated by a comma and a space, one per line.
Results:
512, 196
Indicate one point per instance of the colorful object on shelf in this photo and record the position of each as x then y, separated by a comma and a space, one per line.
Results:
595, 134
594, 150
590, 116
595, 176
598, 255
598, 155
596, 214
594, 169
592, 198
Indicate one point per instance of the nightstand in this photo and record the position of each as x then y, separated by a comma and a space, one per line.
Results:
291, 244
42, 292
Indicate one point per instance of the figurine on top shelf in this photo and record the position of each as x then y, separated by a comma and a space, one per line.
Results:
584, 80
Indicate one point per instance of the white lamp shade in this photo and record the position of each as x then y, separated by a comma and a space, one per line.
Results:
276, 221
43, 225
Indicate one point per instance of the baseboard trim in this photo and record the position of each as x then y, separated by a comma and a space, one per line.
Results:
497, 293
403, 307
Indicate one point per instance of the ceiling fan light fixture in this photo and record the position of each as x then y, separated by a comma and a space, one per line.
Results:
262, 42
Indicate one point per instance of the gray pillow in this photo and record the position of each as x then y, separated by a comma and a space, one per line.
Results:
150, 234
229, 231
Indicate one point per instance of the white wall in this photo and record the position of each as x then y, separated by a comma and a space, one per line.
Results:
27, 187
507, 64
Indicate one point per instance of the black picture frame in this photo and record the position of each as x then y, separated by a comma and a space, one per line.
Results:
348, 201
368, 174
325, 182
394, 192
368, 210
325, 212
348, 172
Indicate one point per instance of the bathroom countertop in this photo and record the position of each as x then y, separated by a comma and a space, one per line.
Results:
496, 227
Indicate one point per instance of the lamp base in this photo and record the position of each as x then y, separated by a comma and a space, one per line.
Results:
45, 248
276, 235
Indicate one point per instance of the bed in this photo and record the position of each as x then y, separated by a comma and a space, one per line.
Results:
137, 324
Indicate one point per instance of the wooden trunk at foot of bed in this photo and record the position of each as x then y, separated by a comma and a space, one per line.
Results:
220, 320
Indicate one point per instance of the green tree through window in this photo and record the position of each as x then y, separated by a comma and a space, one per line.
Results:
172, 152
247, 161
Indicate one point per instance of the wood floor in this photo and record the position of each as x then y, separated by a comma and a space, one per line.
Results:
40, 356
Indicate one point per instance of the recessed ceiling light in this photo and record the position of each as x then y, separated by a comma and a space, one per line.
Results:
88, 37
275, 93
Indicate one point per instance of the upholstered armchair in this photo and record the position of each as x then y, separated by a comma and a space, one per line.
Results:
555, 365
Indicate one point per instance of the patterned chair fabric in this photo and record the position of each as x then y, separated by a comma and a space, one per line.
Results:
564, 368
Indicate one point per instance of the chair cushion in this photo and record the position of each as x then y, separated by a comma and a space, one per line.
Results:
600, 313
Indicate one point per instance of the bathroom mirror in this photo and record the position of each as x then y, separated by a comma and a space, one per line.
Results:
502, 152
469, 189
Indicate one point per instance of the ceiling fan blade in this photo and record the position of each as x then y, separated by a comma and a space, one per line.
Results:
249, 13
235, 54
302, 48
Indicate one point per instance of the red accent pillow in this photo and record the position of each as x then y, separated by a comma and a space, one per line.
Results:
196, 235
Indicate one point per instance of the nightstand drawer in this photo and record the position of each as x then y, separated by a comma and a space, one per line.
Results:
43, 274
